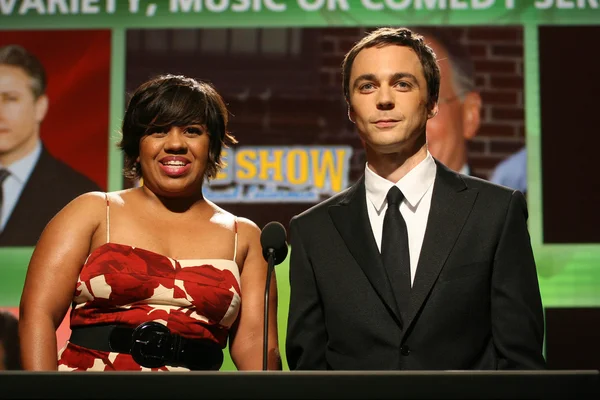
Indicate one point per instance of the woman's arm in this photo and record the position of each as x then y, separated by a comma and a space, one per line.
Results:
246, 338
52, 276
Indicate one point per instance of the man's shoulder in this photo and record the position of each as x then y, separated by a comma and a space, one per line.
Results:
62, 176
472, 182
484, 185
320, 210
492, 196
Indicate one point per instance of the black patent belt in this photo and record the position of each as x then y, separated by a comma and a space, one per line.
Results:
151, 345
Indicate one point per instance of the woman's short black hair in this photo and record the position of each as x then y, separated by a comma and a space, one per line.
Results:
174, 100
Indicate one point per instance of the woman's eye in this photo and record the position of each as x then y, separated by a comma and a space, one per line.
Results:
194, 130
156, 131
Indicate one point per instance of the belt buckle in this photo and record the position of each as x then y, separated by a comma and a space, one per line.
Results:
151, 344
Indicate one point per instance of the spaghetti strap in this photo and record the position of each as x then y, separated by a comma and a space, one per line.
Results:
235, 228
107, 218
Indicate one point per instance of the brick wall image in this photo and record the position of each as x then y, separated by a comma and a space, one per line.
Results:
283, 87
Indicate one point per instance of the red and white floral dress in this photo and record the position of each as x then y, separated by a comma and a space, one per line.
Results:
121, 284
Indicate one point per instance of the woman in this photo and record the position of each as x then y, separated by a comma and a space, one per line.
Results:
159, 277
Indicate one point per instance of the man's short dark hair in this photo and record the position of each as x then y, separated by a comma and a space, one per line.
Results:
174, 100
399, 37
19, 57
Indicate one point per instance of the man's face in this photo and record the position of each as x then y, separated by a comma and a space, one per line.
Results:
388, 98
20, 114
457, 120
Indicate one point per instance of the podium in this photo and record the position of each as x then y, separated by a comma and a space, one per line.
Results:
302, 385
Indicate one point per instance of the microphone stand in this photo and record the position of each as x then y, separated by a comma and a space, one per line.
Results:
270, 267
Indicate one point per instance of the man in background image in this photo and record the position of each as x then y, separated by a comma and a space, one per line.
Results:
459, 116
34, 185
458, 119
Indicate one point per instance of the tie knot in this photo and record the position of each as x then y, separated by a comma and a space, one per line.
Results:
3, 174
394, 196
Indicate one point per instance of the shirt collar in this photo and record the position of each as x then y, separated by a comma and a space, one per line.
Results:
465, 170
413, 185
21, 169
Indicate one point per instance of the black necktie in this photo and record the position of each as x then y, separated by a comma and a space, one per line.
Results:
394, 249
3, 175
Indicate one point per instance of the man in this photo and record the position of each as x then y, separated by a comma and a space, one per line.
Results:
458, 119
445, 280
34, 185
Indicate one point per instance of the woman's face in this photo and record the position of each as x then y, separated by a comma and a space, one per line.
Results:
173, 162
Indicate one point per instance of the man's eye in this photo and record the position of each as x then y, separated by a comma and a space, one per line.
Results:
10, 97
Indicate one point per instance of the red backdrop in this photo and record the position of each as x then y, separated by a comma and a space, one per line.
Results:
77, 64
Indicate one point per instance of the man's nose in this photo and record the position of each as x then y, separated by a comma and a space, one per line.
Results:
385, 99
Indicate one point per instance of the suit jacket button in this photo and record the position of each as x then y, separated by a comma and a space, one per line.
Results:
405, 350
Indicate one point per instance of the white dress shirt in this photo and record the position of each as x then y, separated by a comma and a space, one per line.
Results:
15, 182
417, 187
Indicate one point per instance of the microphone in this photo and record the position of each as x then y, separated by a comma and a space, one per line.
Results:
275, 249
272, 240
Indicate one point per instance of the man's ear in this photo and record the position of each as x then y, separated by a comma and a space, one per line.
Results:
471, 114
433, 110
350, 112
41, 108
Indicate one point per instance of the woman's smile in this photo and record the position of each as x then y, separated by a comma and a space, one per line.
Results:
175, 166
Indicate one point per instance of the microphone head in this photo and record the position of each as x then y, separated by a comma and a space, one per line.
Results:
273, 239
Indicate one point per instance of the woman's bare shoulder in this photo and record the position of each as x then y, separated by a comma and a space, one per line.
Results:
123, 197
86, 202
244, 225
247, 226
82, 213
92, 205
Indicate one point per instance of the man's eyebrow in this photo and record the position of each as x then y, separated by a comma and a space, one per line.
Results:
405, 75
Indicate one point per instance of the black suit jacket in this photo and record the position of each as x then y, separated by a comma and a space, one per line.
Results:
475, 301
51, 186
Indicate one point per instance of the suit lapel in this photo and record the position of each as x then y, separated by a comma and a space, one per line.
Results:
351, 220
451, 204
